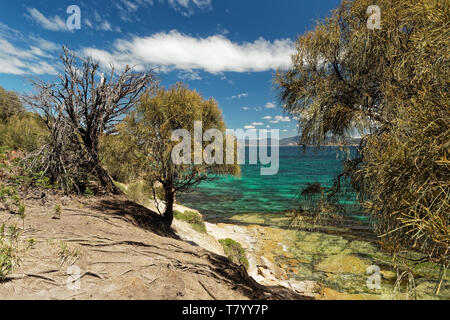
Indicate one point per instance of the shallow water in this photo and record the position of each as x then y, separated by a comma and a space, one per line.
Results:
253, 192
340, 258
336, 256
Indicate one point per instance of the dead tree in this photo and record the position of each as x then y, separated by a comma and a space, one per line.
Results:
85, 104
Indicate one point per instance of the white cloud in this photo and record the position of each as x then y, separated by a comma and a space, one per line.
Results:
96, 22
257, 124
45, 45
245, 108
249, 127
105, 26
53, 24
189, 75
33, 56
130, 6
10, 33
267, 118
239, 96
129, 9
20, 61
176, 51
88, 23
187, 7
270, 105
278, 119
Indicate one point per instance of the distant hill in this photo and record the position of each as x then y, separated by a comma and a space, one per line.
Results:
293, 141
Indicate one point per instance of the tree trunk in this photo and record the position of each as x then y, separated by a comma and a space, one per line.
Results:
169, 195
100, 172
106, 181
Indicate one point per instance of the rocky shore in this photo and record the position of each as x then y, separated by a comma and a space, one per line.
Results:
316, 264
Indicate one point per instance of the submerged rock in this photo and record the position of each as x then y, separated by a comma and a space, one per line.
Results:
307, 288
276, 270
342, 264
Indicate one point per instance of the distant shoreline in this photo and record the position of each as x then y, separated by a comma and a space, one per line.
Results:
293, 142
312, 146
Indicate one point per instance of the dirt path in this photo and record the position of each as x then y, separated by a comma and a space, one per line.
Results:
116, 249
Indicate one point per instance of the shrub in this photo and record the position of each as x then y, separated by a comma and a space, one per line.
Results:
88, 192
66, 252
234, 251
57, 211
9, 257
193, 218
10, 105
115, 152
11, 200
139, 192
23, 132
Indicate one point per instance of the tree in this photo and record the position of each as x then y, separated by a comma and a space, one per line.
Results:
19, 129
391, 86
80, 107
153, 132
10, 105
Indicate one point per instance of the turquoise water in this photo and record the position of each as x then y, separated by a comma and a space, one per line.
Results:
253, 192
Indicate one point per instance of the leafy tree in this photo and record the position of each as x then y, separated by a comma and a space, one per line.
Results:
10, 105
24, 131
78, 109
149, 131
115, 153
18, 129
391, 86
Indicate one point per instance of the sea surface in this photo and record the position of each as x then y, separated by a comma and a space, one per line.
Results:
255, 193
338, 256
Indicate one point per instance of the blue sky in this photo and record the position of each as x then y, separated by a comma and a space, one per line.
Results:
226, 49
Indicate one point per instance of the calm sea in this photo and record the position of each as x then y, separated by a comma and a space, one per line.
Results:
254, 193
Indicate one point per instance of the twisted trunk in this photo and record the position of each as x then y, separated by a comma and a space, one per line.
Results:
101, 174
169, 197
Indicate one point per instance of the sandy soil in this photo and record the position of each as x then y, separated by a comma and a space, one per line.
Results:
116, 249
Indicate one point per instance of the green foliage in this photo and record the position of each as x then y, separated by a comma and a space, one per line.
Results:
21, 209
234, 251
9, 252
31, 243
24, 131
88, 192
148, 133
391, 86
11, 200
10, 105
67, 251
315, 208
20, 130
16, 172
193, 218
139, 192
35, 179
57, 211
115, 151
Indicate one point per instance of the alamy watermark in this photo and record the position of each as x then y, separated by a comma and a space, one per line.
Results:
374, 280
374, 20
73, 281
224, 152
73, 22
